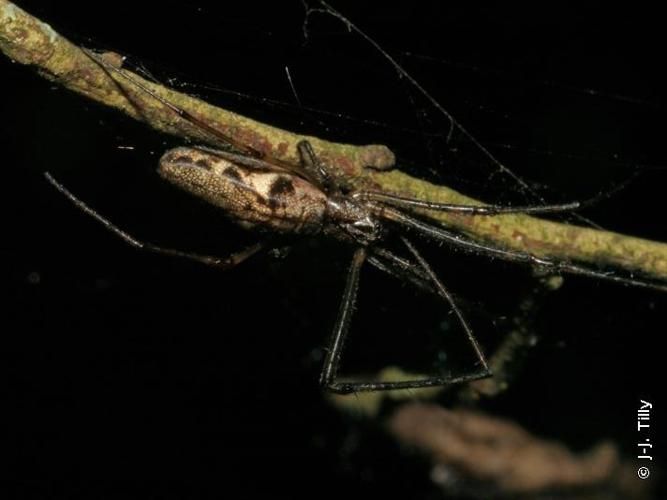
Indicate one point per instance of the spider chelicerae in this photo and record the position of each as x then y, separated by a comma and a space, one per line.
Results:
306, 199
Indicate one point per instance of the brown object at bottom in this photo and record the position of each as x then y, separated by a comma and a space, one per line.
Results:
495, 455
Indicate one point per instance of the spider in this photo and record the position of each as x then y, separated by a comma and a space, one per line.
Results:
306, 199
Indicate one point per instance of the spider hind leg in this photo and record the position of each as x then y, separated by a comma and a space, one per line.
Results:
208, 260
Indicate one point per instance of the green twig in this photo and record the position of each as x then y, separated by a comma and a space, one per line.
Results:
29, 41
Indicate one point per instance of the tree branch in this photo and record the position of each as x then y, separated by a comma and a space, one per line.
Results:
31, 42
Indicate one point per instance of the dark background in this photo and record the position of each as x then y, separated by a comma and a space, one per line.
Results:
125, 372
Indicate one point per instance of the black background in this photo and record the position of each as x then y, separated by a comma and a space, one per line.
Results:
127, 373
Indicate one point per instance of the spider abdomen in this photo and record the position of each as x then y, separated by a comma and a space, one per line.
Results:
255, 198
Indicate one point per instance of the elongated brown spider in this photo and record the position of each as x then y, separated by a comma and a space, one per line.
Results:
305, 199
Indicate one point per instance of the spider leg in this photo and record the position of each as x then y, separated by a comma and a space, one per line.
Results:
314, 167
422, 276
444, 293
401, 201
217, 135
245, 160
400, 274
332, 360
400, 268
209, 260
182, 113
311, 167
509, 255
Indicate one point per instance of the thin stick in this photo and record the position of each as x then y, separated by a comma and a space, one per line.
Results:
28, 41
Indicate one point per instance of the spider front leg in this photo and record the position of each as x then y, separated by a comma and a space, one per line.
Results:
405, 202
471, 246
209, 260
